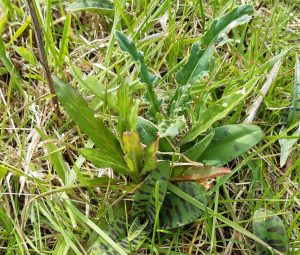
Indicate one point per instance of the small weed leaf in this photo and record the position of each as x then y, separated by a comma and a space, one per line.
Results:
230, 142
172, 126
145, 198
103, 6
148, 132
197, 64
146, 77
269, 228
286, 146
176, 212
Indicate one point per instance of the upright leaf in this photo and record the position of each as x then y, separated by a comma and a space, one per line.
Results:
146, 77
176, 211
286, 145
230, 142
83, 116
150, 161
145, 198
134, 152
201, 52
269, 228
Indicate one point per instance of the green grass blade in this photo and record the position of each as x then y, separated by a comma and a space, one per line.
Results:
218, 216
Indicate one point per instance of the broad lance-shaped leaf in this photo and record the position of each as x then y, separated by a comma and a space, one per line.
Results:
201, 52
196, 151
103, 160
176, 212
83, 116
219, 110
269, 228
128, 46
104, 6
134, 152
146, 199
196, 172
230, 142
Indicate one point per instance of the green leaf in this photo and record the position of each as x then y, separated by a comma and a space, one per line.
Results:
145, 198
148, 132
219, 110
60, 165
230, 142
286, 146
150, 162
136, 229
171, 126
196, 151
3, 171
269, 228
134, 152
103, 160
94, 128
146, 77
197, 64
104, 6
176, 211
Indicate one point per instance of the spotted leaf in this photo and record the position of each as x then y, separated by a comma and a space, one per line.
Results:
117, 231
269, 228
146, 198
230, 142
176, 211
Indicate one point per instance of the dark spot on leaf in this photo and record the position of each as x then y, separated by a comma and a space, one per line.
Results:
178, 213
144, 192
236, 148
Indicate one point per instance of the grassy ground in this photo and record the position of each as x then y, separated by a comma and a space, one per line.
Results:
38, 212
